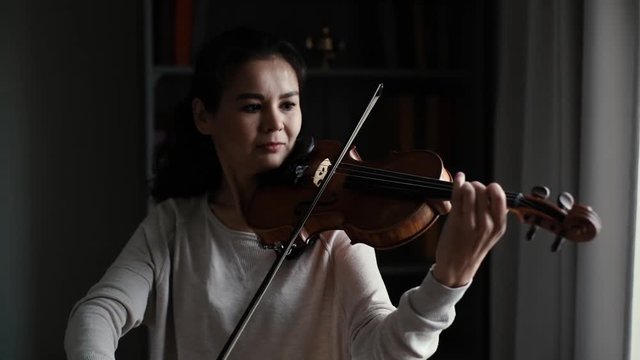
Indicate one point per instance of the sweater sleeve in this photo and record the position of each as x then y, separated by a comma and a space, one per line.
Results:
116, 304
380, 331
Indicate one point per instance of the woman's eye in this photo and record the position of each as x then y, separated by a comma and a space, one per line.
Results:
251, 108
288, 105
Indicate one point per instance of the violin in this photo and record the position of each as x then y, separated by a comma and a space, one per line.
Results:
386, 203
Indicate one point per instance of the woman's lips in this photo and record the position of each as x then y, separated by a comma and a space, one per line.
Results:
272, 147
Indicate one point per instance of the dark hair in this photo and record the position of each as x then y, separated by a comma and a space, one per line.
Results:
186, 164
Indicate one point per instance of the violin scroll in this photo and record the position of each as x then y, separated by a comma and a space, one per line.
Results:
577, 222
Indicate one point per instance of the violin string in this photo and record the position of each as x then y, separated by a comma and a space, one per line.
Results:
412, 190
400, 181
394, 174
399, 177
394, 184
513, 199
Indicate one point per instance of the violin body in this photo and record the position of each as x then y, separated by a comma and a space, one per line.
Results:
379, 217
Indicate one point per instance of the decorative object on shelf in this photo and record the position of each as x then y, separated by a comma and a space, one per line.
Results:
323, 47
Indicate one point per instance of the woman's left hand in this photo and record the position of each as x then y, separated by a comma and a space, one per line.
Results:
475, 224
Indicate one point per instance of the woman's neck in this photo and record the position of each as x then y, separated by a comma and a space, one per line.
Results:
229, 201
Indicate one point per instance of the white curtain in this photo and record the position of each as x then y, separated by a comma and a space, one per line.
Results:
566, 119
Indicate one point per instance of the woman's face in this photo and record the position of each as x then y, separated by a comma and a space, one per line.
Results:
258, 118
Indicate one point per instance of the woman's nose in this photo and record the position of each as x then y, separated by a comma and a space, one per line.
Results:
272, 121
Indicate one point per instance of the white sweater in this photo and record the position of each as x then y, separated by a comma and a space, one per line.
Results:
189, 278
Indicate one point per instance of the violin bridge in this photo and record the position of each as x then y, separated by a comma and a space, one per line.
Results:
321, 172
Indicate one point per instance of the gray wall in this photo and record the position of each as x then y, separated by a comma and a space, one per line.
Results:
72, 186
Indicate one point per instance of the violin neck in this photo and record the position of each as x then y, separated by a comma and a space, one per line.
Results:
412, 186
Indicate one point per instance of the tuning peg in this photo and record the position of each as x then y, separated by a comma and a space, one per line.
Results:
557, 243
565, 201
541, 192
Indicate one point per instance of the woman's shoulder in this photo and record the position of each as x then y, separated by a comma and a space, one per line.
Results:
181, 205
175, 212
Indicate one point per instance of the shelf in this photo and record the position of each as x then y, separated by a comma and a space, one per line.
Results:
160, 71
398, 74
346, 73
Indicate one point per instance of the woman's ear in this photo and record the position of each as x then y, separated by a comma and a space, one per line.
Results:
200, 118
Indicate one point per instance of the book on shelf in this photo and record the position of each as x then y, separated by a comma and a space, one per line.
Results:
426, 38
183, 32
439, 122
163, 32
173, 27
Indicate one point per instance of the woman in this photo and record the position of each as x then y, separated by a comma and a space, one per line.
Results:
193, 265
